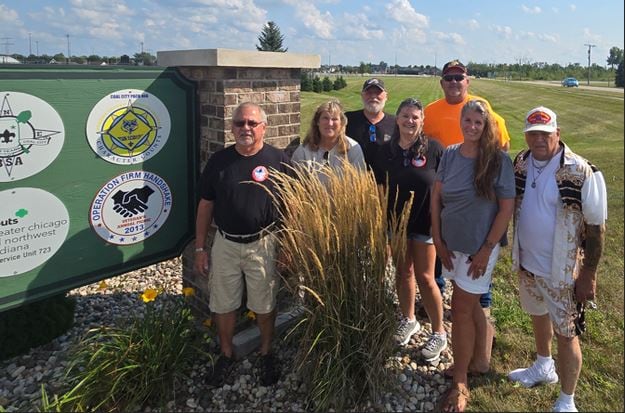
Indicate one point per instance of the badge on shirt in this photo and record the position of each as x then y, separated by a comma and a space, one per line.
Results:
260, 173
419, 162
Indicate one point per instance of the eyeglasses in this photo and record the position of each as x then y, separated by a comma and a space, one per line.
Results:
241, 123
580, 320
457, 78
372, 136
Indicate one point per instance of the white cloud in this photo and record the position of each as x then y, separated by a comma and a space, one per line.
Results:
8, 15
572, 7
402, 11
321, 24
474, 24
454, 38
590, 36
358, 26
531, 10
504, 31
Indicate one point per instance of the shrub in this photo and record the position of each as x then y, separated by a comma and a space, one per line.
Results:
326, 84
316, 85
334, 239
34, 324
139, 361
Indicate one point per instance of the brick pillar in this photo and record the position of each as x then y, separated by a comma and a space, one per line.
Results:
225, 79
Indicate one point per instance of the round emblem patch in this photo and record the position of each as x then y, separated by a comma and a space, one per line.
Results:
33, 226
260, 173
128, 126
131, 207
31, 135
419, 162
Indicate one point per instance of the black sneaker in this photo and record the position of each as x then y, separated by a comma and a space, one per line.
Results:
219, 371
269, 372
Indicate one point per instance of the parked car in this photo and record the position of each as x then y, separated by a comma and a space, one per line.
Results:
570, 82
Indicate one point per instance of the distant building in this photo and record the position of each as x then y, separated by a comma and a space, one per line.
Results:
8, 60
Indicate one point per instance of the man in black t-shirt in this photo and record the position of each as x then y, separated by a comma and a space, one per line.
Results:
243, 254
371, 126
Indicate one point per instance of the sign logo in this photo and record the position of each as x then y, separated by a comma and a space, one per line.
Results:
128, 127
31, 135
131, 207
33, 226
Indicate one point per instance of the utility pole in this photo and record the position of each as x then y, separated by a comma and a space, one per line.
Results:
30, 44
37, 46
142, 48
590, 46
6, 42
68, 53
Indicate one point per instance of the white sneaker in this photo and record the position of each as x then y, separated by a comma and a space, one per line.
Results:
406, 329
561, 406
534, 375
434, 346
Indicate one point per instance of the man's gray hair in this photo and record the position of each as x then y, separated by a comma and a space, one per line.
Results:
263, 114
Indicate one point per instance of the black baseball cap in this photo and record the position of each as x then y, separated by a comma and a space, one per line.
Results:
373, 82
454, 65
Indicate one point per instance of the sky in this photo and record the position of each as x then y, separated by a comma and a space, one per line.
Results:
403, 32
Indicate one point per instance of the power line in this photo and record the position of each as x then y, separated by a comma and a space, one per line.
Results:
6, 43
590, 46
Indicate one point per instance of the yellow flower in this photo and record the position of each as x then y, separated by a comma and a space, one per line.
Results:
149, 295
250, 315
103, 285
208, 322
188, 291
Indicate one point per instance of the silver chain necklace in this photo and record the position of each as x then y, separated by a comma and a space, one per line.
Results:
539, 171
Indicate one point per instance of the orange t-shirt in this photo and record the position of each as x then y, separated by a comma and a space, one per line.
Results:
442, 122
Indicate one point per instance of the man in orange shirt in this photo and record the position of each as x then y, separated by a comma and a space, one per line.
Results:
442, 117
442, 122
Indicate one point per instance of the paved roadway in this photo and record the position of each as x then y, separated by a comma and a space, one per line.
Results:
581, 86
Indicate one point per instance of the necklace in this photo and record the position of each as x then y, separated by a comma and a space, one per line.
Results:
538, 170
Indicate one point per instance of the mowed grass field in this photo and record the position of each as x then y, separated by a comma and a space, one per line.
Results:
591, 124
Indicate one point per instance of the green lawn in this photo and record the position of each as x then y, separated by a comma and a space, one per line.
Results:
591, 124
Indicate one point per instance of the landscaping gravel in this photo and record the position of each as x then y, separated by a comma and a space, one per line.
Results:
419, 383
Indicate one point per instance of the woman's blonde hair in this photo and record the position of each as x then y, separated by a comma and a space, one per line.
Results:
313, 137
488, 162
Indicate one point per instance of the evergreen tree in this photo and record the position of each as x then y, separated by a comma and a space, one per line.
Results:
306, 83
316, 85
326, 84
271, 39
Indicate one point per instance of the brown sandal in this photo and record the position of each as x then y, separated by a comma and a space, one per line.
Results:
456, 399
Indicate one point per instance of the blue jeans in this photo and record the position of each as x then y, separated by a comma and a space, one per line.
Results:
485, 299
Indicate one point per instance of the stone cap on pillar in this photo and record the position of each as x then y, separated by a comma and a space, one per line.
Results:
237, 58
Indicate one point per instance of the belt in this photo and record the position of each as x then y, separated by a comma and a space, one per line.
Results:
243, 239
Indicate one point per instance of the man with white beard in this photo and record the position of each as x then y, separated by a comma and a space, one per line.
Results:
371, 126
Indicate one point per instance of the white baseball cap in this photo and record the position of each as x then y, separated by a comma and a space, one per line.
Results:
541, 119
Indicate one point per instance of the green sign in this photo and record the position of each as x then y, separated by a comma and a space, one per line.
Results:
97, 175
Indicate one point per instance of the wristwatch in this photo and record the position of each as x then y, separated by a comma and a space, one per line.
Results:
200, 250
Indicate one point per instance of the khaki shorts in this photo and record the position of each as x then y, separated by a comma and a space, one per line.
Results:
234, 263
459, 274
539, 297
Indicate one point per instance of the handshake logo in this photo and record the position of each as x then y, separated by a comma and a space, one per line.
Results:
128, 204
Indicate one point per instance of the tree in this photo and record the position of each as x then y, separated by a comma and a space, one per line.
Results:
619, 81
616, 56
306, 83
326, 84
271, 39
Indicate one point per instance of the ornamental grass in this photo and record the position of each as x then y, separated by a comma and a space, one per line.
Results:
142, 361
334, 244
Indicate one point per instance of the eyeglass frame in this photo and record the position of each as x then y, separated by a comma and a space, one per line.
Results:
373, 137
251, 123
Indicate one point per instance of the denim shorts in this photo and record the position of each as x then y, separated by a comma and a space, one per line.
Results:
413, 236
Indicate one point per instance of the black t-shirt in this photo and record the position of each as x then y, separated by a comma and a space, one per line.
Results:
358, 129
409, 174
241, 206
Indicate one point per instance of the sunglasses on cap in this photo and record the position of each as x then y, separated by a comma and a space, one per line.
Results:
241, 123
457, 78
372, 136
580, 320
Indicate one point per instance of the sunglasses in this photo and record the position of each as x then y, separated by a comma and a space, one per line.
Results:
241, 123
372, 135
580, 320
457, 78
326, 154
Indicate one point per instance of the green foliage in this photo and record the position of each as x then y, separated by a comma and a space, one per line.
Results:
139, 361
619, 80
271, 39
34, 324
615, 57
339, 83
316, 85
306, 83
337, 253
326, 84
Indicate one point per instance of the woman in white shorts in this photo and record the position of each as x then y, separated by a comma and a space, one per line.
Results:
472, 203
